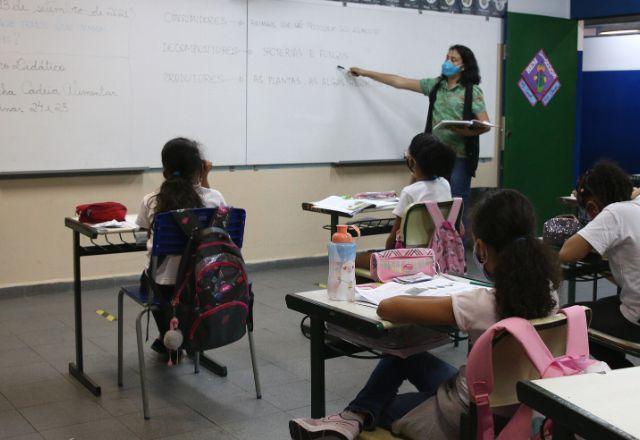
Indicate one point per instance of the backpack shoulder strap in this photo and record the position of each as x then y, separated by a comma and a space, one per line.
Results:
479, 369
186, 220
435, 213
432, 101
454, 211
471, 143
467, 112
577, 335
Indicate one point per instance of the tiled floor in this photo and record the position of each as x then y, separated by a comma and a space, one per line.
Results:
39, 400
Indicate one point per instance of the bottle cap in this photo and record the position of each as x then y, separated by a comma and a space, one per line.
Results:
342, 236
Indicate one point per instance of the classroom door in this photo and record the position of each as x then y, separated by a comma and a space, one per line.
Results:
540, 114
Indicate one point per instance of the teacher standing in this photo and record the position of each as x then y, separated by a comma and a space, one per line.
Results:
454, 95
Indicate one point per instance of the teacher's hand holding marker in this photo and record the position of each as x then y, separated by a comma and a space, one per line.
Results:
447, 93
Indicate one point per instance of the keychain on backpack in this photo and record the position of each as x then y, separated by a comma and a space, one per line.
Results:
173, 340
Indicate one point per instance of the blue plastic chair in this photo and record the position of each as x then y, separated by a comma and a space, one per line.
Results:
168, 239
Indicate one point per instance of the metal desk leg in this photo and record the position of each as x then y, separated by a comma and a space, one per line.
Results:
335, 219
317, 368
560, 432
77, 369
571, 291
594, 292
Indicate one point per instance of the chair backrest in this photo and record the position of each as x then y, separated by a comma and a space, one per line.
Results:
417, 225
511, 364
168, 238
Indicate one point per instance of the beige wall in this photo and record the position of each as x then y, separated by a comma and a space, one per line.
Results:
36, 246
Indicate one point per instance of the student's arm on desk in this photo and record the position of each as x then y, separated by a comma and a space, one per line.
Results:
574, 249
391, 239
418, 310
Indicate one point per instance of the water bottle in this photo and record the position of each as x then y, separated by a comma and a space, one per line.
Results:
342, 265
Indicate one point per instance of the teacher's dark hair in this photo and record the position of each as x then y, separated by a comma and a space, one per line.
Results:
526, 271
182, 167
471, 72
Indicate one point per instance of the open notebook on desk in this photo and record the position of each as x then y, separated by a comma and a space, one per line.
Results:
353, 206
438, 286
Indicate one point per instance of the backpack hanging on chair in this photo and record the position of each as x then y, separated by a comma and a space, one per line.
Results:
213, 297
479, 371
446, 241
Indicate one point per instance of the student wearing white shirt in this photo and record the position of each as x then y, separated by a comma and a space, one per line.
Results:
614, 232
430, 162
186, 185
525, 274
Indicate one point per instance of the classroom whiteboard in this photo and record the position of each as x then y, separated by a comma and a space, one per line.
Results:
302, 109
103, 84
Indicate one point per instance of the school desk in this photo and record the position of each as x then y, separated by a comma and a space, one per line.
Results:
367, 226
353, 316
594, 406
590, 269
103, 241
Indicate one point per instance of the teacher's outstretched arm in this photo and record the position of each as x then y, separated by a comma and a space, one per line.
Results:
397, 81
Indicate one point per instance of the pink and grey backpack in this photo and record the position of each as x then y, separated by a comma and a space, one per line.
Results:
479, 369
213, 296
446, 241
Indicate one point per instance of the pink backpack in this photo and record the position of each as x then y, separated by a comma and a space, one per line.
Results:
479, 369
446, 242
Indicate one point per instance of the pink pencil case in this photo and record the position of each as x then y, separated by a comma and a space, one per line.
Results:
393, 263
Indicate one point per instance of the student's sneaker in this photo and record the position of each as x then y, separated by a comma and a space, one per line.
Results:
333, 427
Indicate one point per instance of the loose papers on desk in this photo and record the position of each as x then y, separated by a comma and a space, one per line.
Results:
114, 224
438, 286
352, 206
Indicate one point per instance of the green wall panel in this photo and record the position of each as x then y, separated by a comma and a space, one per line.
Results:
539, 141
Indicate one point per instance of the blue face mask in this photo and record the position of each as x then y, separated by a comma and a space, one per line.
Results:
449, 69
480, 264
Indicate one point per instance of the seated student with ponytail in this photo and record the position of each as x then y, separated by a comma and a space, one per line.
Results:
605, 193
525, 274
186, 186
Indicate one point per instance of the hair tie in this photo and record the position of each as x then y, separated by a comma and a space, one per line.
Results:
176, 173
521, 238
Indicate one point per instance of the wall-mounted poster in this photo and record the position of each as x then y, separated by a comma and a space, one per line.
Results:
539, 79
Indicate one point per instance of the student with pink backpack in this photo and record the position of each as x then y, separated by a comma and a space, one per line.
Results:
430, 163
525, 275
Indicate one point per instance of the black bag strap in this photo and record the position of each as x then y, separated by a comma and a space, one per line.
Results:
189, 223
186, 220
432, 101
471, 144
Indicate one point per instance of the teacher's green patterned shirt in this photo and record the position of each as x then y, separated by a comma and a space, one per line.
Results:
450, 106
